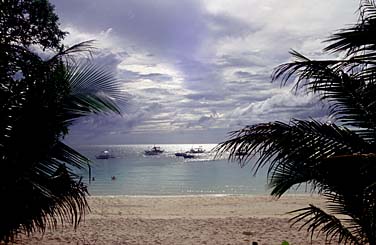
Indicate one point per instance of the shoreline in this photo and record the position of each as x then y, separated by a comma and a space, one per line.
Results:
185, 220
204, 195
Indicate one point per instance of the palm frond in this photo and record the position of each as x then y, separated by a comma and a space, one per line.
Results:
93, 90
85, 47
299, 145
328, 175
48, 198
68, 155
350, 97
358, 38
51, 193
338, 161
39, 180
318, 221
359, 209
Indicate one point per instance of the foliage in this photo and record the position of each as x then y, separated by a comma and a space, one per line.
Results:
337, 160
27, 22
39, 100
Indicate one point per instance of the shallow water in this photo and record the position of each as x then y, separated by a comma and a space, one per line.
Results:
166, 174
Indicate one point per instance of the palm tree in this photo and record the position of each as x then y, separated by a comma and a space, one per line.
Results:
39, 100
338, 161
37, 182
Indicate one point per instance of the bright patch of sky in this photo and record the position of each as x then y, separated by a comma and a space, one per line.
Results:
193, 70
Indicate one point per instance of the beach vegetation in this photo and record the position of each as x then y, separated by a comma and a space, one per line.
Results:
337, 158
44, 88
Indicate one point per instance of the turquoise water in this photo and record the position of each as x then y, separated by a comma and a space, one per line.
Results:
166, 174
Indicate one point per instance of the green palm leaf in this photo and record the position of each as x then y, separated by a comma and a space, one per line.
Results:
93, 90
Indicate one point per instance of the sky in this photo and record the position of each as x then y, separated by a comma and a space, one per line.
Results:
194, 70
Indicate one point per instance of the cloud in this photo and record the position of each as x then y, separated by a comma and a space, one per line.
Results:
193, 64
160, 26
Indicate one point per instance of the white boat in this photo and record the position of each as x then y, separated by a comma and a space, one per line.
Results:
156, 150
104, 155
197, 150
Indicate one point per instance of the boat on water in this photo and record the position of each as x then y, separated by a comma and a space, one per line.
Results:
184, 154
180, 154
189, 156
197, 150
156, 150
104, 155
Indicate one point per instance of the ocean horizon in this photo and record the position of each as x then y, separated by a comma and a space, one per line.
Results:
132, 173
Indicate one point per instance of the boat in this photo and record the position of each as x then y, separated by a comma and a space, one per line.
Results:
191, 153
188, 156
183, 154
180, 154
104, 155
197, 150
156, 150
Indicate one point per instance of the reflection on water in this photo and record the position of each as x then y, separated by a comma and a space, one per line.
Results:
166, 174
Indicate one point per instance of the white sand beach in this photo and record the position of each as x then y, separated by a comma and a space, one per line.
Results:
185, 220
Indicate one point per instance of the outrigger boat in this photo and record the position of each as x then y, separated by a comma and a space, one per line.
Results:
197, 150
156, 150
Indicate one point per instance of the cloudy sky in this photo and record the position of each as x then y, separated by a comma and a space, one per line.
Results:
193, 70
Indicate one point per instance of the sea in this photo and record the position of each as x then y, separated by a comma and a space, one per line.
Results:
133, 173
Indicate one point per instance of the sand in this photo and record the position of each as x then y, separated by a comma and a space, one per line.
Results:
185, 220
